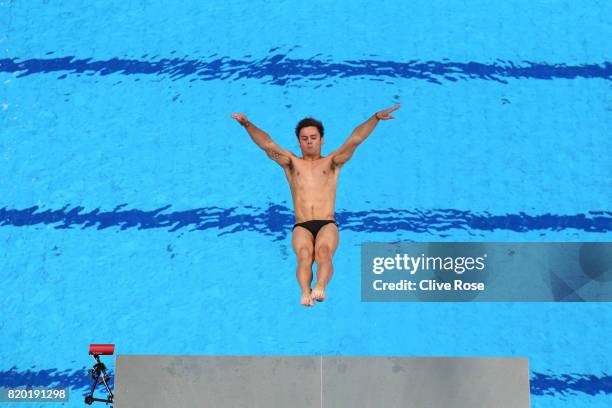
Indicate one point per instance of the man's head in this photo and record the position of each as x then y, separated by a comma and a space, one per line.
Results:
309, 132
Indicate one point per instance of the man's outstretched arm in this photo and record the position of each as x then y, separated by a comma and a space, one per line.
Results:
361, 132
264, 141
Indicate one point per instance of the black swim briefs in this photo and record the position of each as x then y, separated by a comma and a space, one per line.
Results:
314, 225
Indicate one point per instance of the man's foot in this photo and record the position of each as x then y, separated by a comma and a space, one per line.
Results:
307, 299
318, 292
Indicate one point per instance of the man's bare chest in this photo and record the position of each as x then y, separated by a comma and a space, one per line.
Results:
313, 175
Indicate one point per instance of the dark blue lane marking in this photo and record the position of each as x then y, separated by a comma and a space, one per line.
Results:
277, 220
552, 384
279, 69
75, 380
540, 384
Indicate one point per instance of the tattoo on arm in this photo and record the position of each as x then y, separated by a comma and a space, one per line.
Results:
278, 154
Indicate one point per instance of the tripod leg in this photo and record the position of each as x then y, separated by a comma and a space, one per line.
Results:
108, 390
89, 399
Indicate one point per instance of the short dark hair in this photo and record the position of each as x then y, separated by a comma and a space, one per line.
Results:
308, 122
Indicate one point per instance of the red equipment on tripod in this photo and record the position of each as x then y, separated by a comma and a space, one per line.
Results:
98, 372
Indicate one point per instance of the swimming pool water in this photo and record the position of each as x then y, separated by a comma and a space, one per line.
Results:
133, 209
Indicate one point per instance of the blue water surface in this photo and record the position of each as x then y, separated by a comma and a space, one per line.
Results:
135, 211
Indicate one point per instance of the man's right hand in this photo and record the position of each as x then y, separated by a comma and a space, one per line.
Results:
240, 118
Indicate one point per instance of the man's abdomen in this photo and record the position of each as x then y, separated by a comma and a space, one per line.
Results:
321, 209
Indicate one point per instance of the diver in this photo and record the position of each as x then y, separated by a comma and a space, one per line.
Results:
313, 180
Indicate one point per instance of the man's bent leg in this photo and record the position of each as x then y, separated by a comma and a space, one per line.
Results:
303, 245
325, 247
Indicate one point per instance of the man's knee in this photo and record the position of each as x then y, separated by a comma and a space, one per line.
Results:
305, 255
323, 253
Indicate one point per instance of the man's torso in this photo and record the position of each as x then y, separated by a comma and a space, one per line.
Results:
313, 188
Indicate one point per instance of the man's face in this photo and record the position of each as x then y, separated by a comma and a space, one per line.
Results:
310, 141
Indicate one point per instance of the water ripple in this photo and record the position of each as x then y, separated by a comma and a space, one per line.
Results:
277, 220
279, 69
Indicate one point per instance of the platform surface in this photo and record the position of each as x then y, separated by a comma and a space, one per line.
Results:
305, 382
